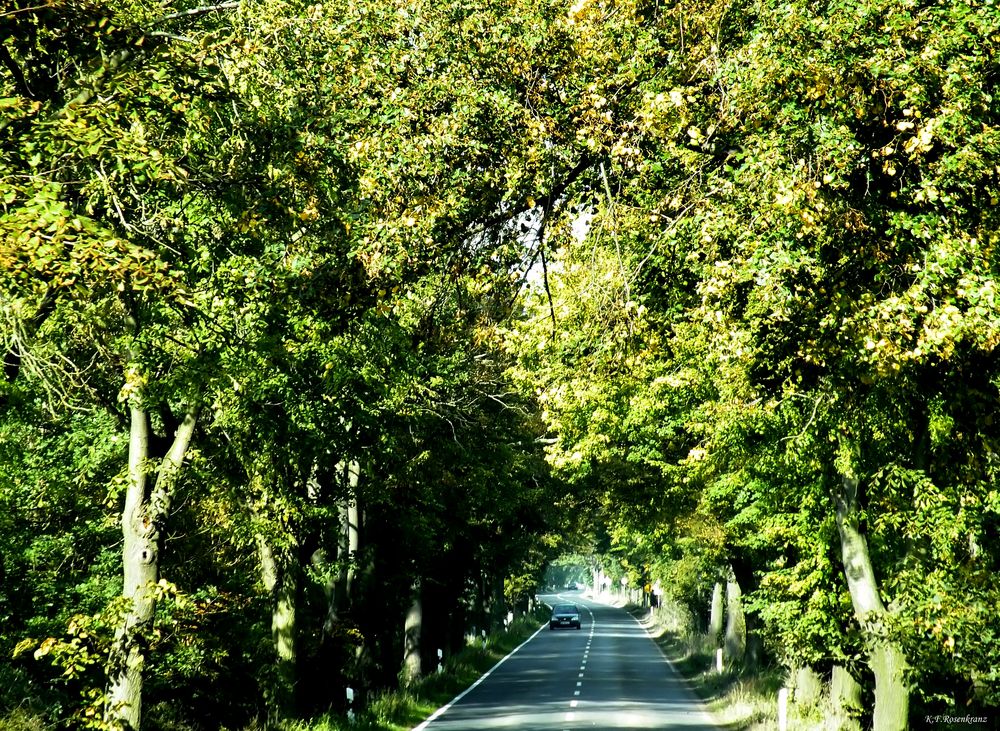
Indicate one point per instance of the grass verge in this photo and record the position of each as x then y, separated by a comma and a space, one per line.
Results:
739, 700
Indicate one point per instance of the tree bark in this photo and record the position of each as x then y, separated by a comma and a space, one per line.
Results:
845, 697
736, 628
280, 581
597, 579
143, 518
808, 687
412, 631
886, 658
715, 613
353, 527
748, 580
341, 590
322, 565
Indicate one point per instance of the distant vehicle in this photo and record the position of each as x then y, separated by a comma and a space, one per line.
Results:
571, 586
565, 615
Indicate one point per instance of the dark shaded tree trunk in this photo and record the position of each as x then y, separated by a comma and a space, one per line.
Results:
348, 543
340, 573
353, 526
754, 643
280, 578
412, 638
491, 607
440, 606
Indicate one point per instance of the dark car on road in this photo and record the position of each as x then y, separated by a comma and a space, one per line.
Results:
565, 615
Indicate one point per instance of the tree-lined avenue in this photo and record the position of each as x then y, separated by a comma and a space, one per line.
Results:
312, 369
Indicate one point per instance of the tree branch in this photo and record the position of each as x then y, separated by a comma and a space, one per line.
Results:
19, 81
12, 359
545, 279
86, 95
171, 36
33, 8
170, 467
202, 10
552, 197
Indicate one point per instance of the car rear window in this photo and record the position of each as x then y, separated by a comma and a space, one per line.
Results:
565, 609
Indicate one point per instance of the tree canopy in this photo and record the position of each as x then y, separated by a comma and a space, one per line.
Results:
328, 327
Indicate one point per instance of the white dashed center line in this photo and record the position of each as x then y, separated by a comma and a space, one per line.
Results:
570, 716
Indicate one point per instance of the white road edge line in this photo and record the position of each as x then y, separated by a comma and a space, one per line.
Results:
705, 710
443, 709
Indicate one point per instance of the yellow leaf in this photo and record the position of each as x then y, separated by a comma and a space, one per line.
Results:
23, 646
45, 648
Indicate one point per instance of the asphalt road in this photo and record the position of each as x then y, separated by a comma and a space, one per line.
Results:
608, 675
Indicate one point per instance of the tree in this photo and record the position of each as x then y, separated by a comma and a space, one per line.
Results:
809, 236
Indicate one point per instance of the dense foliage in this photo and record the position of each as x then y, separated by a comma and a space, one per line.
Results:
329, 325
775, 353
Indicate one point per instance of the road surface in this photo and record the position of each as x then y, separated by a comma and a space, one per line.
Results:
608, 675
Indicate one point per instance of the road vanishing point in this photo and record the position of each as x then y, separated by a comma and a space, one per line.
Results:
607, 675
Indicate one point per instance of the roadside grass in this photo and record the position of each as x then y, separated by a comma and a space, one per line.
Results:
747, 700
739, 700
21, 720
403, 709
390, 710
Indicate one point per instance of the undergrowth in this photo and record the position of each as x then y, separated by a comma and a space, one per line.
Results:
389, 710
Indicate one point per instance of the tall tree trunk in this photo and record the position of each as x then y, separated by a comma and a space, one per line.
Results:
492, 609
412, 631
748, 581
886, 658
845, 698
715, 613
340, 592
321, 560
321, 564
736, 628
353, 527
498, 603
143, 518
281, 581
